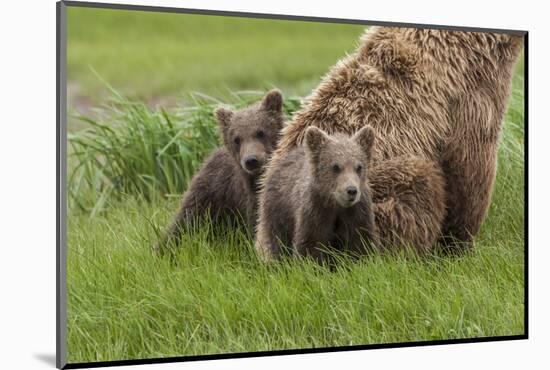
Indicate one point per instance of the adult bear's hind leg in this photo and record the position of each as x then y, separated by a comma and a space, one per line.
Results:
469, 164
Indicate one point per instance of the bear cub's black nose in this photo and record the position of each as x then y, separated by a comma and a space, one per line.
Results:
252, 163
352, 191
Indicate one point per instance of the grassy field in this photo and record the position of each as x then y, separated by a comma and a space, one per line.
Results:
216, 297
157, 57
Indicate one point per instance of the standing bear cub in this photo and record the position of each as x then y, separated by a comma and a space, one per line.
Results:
225, 187
318, 197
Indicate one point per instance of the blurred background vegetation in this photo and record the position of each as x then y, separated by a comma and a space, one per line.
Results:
155, 57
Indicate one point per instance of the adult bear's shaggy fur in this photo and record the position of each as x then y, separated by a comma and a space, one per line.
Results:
408, 202
431, 94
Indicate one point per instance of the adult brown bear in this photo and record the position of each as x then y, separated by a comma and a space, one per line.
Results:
430, 94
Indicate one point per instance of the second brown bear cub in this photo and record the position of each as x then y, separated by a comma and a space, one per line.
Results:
225, 187
318, 197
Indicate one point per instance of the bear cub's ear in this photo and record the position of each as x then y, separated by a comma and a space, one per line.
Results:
224, 117
315, 139
273, 101
365, 138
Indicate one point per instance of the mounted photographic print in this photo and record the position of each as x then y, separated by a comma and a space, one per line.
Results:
234, 184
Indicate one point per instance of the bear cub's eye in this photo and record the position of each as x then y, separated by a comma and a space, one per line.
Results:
237, 140
260, 134
336, 168
358, 168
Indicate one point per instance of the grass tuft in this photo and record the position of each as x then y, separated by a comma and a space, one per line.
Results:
144, 152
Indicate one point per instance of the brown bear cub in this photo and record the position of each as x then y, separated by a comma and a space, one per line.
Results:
225, 187
318, 197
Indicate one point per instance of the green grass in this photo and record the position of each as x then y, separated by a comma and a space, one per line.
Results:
216, 297
157, 56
